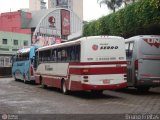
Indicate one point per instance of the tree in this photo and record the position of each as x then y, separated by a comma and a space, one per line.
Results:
111, 4
126, 2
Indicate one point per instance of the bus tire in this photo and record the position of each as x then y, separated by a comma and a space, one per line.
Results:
40, 80
42, 83
63, 87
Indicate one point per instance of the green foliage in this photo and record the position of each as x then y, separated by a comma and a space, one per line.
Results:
134, 19
111, 4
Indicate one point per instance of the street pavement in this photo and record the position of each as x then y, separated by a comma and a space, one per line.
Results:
19, 98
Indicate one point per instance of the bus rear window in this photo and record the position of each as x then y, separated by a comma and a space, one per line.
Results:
22, 57
129, 49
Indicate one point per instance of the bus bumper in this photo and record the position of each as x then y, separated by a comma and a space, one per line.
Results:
104, 87
37, 79
148, 82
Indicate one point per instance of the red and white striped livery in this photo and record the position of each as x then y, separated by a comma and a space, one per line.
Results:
91, 63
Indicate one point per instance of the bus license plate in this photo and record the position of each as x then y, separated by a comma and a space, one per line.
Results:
106, 81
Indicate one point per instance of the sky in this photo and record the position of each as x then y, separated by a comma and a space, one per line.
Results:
91, 9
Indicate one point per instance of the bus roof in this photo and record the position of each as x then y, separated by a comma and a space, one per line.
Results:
74, 42
25, 50
140, 37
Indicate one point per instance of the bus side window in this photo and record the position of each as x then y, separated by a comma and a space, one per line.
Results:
64, 54
131, 46
54, 55
69, 57
47, 55
59, 55
77, 53
127, 49
73, 53
39, 58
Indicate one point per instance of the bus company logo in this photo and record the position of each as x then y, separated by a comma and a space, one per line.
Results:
51, 21
153, 42
95, 47
103, 47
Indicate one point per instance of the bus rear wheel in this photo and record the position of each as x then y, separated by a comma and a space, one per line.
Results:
42, 83
64, 88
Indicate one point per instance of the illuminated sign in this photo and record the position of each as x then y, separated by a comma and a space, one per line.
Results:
65, 19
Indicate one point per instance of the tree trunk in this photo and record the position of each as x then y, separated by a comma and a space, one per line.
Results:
125, 3
114, 10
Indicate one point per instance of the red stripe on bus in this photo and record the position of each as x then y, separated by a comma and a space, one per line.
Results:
77, 86
52, 82
98, 63
97, 71
104, 87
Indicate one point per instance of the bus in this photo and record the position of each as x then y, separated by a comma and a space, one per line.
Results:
143, 56
23, 64
94, 63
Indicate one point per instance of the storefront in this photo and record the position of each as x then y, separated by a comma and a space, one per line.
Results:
53, 26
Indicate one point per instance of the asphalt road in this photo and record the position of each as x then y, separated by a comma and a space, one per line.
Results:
19, 98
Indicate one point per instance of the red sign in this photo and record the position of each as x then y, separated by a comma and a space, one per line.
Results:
65, 22
95, 47
153, 42
51, 21
57, 40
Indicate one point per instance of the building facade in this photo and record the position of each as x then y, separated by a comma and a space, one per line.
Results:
12, 21
12, 37
74, 5
35, 5
49, 26
44, 27
9, 43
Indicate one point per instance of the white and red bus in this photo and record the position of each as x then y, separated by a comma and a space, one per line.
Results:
92, 63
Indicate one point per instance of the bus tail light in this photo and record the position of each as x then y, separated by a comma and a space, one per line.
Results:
85, 77
136, 64
31, 71
125, 77
136, 67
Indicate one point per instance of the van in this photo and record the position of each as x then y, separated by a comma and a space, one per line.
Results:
143, 61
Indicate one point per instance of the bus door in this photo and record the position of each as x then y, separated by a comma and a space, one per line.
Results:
130, 71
